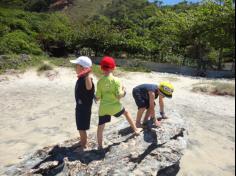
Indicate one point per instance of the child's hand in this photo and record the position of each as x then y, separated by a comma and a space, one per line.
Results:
85, 72
157, 123
124, 91
95, 99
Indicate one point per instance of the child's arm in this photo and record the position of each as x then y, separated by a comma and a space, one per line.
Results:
119, 89
86, 71
89, 82
122, 93
152, 103
161, 103
97, 98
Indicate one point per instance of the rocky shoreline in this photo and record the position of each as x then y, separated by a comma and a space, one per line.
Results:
156, 152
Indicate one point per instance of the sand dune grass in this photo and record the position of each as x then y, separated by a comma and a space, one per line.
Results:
215, 88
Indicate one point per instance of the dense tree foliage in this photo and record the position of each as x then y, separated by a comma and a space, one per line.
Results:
33, 33
200, 34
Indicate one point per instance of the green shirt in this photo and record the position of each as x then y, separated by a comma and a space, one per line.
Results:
109, 88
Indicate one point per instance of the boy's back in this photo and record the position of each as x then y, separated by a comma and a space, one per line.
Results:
108, 90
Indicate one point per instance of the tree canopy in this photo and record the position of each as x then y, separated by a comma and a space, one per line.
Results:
201, 34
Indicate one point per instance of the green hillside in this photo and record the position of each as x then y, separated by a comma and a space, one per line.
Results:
201, 35
78, 10
84, 9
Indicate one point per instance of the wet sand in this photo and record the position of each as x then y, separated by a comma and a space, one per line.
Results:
36, 111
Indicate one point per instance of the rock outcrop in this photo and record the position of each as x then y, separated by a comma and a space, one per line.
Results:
155, 152
60, 4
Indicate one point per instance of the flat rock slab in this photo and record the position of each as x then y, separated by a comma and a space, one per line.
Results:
155, 152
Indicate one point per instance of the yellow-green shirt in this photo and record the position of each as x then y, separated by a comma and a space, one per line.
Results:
109, 88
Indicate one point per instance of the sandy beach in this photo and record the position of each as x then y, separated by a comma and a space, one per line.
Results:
37, 111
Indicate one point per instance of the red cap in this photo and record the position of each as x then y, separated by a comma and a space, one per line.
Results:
108, 63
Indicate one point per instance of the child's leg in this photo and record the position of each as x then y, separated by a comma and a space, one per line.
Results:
139, 117
100, 136
131, 122
147, 115
83, 138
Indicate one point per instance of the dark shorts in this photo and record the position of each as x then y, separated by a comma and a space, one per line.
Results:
139, 100
107, 118
83, 118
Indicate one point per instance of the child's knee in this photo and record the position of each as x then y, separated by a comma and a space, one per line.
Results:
142, 110
126, 113
101, 127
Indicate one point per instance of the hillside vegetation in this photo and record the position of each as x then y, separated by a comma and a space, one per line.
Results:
201, 35
82, 10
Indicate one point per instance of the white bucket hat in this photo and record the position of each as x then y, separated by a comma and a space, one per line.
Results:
83, 61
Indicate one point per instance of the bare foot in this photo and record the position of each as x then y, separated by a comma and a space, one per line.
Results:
138, 131
85, 147
79, 150
101, 151
165, 117
80, 145
83, 144
145, 124
77, 145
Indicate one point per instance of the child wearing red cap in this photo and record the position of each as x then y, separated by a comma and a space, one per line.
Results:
110, 91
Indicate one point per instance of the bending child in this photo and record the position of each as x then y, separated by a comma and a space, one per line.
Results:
110, 91
84, 94
145, 95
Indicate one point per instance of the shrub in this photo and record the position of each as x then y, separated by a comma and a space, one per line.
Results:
215, 88
18, 62
3, 29
18, 42
60, 62
136, 69
97, 71
56, 35
45, 67
173, 59
27, 32
19, 24
37, 5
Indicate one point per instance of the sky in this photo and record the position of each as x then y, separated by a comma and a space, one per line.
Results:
172, 2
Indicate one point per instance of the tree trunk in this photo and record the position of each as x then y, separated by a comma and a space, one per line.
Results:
220, 59
233, 66
184, 61
199, 57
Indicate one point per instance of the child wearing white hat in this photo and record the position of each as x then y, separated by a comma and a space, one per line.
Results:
84, 94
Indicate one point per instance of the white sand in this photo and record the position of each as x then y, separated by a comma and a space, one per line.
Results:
36, 111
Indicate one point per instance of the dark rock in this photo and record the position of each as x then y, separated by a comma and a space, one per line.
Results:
4, 78
155, 152
24, 57
169, 171
45, 167
4, 57
60, 4
3, 60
